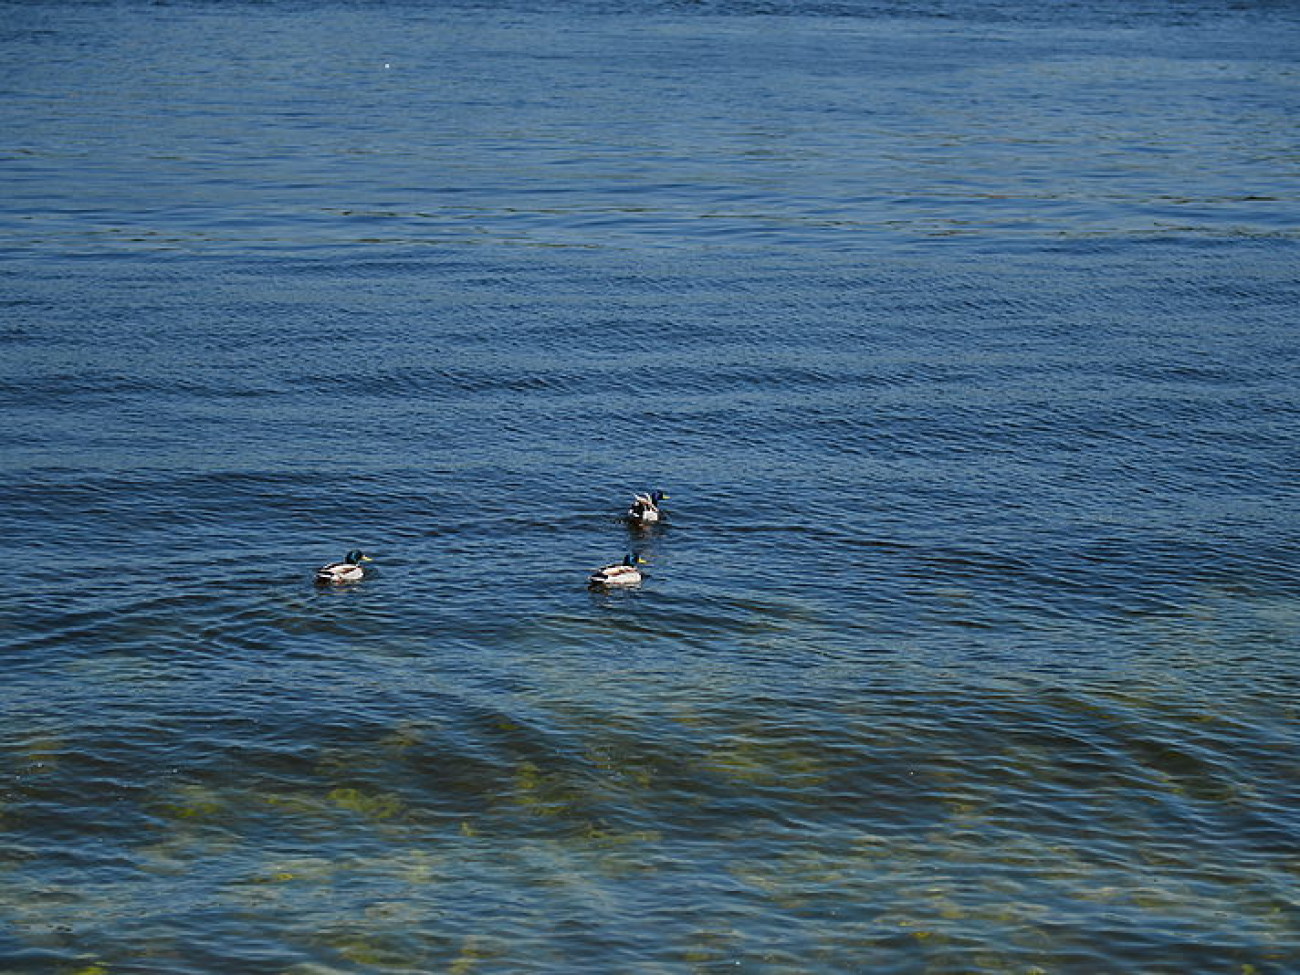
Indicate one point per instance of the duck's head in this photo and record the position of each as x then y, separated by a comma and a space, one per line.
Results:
657, 496
633, 559
356, 557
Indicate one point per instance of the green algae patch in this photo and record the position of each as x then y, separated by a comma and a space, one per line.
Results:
298, 805
613, 838
275, 877
41, 754
544, 793
473, 952
358, 943
757, 762
361, 952
196, 803
405, 735
371, 805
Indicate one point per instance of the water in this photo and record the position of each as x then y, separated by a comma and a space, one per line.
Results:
961, 336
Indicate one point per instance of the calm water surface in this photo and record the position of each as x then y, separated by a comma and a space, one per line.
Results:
962, 335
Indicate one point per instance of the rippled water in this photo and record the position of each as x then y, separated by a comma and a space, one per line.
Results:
961, 335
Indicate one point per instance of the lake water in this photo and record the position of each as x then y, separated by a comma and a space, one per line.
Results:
962, 335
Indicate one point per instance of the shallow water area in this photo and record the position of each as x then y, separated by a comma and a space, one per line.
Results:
961, 337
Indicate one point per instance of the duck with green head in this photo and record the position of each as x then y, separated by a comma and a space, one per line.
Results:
645, 509
351, 569
624, 573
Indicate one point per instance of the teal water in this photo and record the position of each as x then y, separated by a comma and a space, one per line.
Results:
962, 337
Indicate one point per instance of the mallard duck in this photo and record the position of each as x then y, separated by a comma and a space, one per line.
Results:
645, 508
625, 573
349, 570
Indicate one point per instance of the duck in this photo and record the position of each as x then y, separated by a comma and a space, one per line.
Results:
624, 573
645, 508
349, 570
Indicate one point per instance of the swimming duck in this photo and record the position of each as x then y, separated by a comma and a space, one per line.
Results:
624, 573
645, 508
349, 570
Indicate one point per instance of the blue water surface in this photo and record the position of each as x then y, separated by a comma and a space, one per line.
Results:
961, 335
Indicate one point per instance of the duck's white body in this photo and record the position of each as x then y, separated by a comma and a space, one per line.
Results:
338, 573
622, 574
341, 573
644, 510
